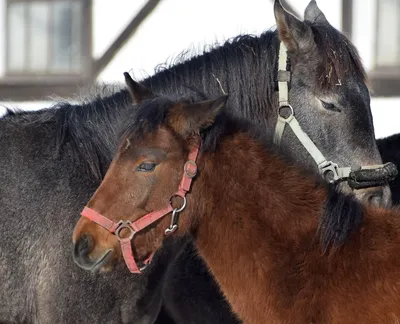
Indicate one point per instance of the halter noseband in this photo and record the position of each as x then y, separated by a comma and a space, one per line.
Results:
189, 172
366, 176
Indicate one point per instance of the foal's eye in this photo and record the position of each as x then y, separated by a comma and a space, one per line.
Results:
330, 106
146, 167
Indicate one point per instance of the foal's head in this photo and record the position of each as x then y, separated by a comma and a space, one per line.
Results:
149, 176
329, 96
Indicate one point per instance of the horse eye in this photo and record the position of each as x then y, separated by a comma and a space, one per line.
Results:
146, 167
329, 106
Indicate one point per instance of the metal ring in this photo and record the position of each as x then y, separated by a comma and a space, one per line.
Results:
141, 269
329, 171
121, 226
286, 106
178, 210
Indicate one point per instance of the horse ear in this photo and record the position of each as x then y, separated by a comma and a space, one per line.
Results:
137, 91
192, 118
314, 15
294, 33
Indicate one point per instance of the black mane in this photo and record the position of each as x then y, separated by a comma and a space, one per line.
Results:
10, 112
340, 58
90, 128
245, 67
245, 64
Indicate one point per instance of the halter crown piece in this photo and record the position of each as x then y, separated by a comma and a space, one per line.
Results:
189, 172
365, 176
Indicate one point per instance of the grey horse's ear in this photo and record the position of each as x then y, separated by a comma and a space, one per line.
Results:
137, 91
294, 33
314, 15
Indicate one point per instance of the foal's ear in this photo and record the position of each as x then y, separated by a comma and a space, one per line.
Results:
137, 91
314, 15
192, 118
294, 33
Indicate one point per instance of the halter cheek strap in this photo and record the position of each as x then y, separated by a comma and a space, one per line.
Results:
189, 172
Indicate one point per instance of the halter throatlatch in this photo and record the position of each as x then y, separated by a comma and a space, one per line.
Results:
189, 172
365, 176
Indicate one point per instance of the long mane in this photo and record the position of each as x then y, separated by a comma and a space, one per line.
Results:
89, 127
245, 67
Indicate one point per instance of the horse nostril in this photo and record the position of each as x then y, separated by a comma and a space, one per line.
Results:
83, 247
375, 198
85, 244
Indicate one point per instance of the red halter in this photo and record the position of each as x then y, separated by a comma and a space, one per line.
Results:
189, 172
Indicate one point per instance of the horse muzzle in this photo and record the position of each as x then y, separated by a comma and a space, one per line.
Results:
82, 249
375, 196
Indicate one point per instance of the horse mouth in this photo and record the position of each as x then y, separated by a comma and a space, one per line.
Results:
103, 260
86, 263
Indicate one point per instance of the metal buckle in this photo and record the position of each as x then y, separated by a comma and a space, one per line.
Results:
189, 174
120, 226
329, 171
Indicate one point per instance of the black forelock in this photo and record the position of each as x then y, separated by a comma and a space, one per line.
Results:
340, 59
146, 117
149, 115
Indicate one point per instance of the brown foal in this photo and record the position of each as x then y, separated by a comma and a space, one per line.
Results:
262, 227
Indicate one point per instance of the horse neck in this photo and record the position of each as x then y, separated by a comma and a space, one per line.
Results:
92, 129
257, 221
250, 203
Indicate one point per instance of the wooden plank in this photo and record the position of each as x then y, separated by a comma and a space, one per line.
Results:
347, 17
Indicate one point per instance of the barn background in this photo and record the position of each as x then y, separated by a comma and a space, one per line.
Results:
56, 47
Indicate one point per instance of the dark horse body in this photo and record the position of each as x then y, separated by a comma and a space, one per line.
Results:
45, 180
389, 149
41, 190
43, 187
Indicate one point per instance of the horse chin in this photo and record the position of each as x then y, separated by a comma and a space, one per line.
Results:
143, 265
